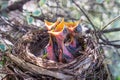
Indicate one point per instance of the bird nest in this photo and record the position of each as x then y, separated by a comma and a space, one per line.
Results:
29, 64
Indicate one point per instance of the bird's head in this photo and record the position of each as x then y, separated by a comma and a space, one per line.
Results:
58, 29
72, 25
51, 25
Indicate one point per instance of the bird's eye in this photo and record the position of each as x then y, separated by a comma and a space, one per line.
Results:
78, 29
65, 31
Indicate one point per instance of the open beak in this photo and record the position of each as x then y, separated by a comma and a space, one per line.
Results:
59, 34
58, 29
54, 29
72, 25
71, 42
50, 25
71, 45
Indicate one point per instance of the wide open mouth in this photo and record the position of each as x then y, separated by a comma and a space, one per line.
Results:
50, 25
41, 40
58, 29
72, 25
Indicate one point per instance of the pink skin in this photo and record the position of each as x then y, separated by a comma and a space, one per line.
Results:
63, 50
60, 41
49, 50
60, 36
72, 33
73, 41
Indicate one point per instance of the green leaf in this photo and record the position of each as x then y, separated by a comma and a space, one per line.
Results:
2, 47
107, 1
3, 4
36, 13
64, 3
30, 19
118, 78
1, 63
27, 13
45, 56
99, 1
42, 2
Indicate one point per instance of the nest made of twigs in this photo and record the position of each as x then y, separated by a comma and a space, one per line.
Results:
87, 66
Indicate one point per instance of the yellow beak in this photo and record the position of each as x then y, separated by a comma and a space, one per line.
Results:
50, 25
58, 29
72, 25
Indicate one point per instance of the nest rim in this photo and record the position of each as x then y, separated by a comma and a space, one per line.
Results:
56, 64
78, 66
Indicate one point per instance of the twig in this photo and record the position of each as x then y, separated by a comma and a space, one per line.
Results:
16, 27
84, 14
104, 31
16, 6
36, 69
96, 36
114, 41
110, 30
110, 44
116, 18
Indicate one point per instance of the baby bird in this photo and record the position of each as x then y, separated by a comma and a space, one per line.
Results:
51, 25
59, 34
52, 47
63, 41
74, 29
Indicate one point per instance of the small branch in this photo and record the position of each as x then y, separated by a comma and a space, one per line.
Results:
96, 36
111, 30
104, 31
16, 27
110, 44
114, 41
84, 14
16, 6
116, 18
7, 36
37, 69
